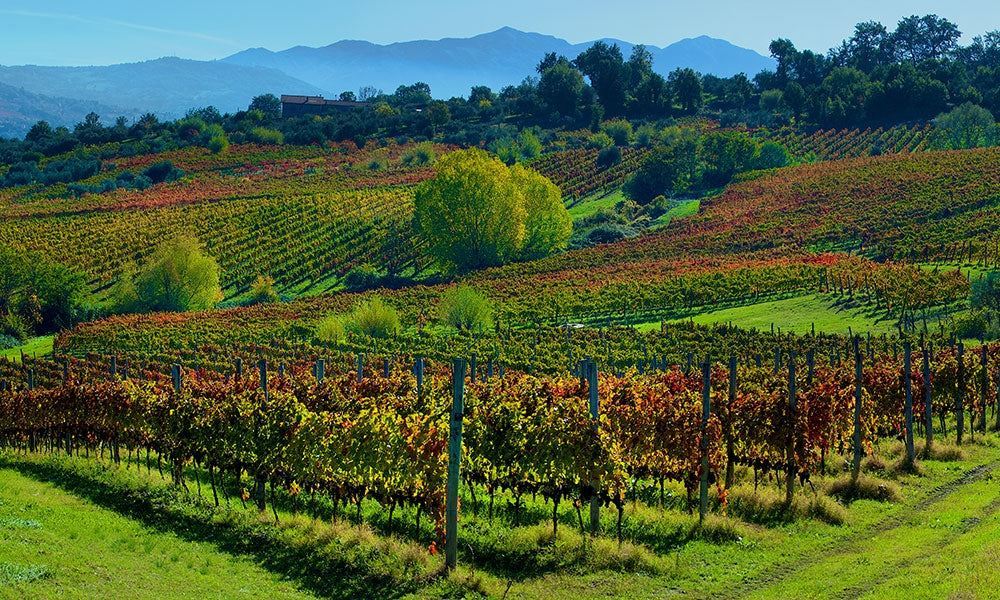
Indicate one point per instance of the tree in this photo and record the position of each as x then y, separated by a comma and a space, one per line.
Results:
986, 293
474, 212
268, 104
179, 276
561, 87
967, 126
665, 169
548, 225
687, 88
608, 73
347, 96
917, 39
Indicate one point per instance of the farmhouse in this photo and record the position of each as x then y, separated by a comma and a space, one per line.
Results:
302, 106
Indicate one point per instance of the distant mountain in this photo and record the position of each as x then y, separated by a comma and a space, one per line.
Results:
171, 86
451, 66
166, 86
20, 109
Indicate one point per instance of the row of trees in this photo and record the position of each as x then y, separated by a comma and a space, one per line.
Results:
876, 77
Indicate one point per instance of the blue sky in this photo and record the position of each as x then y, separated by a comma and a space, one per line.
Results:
71, 32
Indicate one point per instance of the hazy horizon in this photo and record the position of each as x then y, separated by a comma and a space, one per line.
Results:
122, 32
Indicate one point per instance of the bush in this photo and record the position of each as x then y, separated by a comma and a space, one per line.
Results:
262, 291
263, 135
609, 157
620, 131
373, 318
360, 279
331, 329
161, 172
14, 327
609, 233
219, 144
420, 155
7, 342
600, 140
465, 309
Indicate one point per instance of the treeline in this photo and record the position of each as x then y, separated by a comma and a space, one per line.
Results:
875, 77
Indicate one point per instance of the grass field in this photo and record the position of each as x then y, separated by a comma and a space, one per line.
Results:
939, 537
799, 315
38, 346
56, 545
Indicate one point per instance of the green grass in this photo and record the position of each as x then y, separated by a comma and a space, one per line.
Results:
38, 346
937, 539
684, 209
54, 544
798, 315
589, 205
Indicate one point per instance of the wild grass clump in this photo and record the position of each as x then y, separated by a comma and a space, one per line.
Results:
767, 506
15, 573
529, 551
864, 487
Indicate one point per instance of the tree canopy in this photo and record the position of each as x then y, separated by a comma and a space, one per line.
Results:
476, 212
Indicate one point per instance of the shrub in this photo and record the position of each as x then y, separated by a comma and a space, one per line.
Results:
620, 131
263, 135
359, 279
331, 329
262, 291
373, 318
609, 157
465, 309
219, 144
599, 140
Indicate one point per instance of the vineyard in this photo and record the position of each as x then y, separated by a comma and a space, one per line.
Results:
833, 144
339, 427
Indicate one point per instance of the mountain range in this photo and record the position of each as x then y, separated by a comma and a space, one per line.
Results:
451, 66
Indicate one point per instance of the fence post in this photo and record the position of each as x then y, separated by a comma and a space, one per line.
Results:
960, 397
176, 375
858, 382
706, 411
595, 412
791, 471
454, 464
31, 378
262, 366
908, 409
320, 370
730, 452
928, 406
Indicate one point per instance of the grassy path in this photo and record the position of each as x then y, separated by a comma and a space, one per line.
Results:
886, 550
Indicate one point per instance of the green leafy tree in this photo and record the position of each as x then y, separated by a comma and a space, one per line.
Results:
986, 292
561, 88
687, 88
609, 75
268, 104
548, 225
967, 126
476, 212
179, 276
470, 213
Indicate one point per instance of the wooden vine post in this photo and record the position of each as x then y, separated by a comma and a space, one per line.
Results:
176, 373
928, 408
791, 470
595, 412
320, 370
730, 450
858, 382
960, 396
983, 387
908, 408
706, 411
454, 465
262, 366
